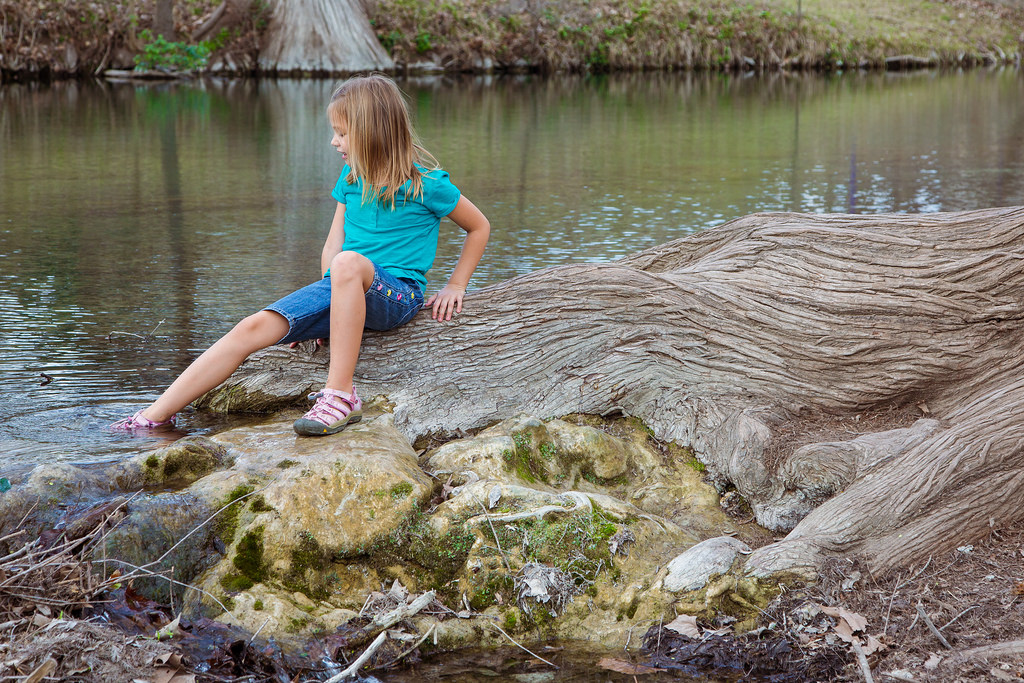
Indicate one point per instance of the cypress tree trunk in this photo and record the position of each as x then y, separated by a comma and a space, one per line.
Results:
329, 36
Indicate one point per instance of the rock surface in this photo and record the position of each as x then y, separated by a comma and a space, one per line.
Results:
555, 528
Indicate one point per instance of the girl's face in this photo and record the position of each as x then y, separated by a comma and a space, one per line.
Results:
340, 140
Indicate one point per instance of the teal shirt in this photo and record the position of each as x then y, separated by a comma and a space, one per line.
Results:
402, 240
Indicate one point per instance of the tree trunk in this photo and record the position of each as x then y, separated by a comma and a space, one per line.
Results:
332, 36
163, 20
862, 374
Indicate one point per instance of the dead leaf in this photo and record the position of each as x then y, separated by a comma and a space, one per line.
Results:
626, 667
933, 662
170, 669
855, 621
494, 496
873, 645
1003, 675
685, 625
42, 671
168, 659
844, 631
40, 620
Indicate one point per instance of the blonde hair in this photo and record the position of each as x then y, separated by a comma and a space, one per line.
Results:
382, 146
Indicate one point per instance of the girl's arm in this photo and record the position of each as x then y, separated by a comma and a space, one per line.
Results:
478, 229
335, 239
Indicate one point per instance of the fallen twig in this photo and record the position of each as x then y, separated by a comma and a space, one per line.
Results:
899, 676
388, 619
915, 575
354, 668
1011, 647
943, 628
495, 534
513, 641
931, 627
418, 643
862, 659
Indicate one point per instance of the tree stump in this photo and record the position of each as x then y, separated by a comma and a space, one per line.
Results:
858, 379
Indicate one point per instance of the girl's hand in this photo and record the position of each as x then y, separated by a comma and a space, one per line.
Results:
447, 301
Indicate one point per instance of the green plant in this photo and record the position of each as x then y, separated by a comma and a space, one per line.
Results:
160, 54
423, 42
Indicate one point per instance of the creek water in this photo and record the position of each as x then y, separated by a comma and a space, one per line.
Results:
138, 222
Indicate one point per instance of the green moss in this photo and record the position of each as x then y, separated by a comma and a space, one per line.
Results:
401, 490
258, 605
190, 461
522, 461
248, 558
295, 625
309, 560
511, 620
153, 461
632, 607
259, 504
433, 559
285, 464
235, 583
486, 595
578, 544
227, 521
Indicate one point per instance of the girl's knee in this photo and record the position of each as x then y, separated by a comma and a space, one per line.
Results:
350, 265
265, 327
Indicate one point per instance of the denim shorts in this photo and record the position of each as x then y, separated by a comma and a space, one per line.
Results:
391, 301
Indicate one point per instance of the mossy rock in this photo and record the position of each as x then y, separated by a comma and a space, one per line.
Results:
183, 462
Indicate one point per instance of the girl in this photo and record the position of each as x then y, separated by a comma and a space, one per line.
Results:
391, 198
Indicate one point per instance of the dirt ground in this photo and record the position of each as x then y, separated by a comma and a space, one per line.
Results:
973, 596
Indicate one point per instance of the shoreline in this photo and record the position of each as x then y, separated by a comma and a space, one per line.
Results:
895, 64
518, 37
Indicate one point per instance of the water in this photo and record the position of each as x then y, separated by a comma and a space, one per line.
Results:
173, 210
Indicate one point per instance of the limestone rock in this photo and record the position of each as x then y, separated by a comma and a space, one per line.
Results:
692, 569
552, 455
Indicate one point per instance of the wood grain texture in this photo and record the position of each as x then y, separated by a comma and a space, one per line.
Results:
716, 339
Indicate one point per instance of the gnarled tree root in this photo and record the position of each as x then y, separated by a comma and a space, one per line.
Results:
725, 340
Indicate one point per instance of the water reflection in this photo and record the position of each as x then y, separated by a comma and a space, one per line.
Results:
195, 204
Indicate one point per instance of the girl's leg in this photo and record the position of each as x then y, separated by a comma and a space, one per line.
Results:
351, 276
218, 362
338, 406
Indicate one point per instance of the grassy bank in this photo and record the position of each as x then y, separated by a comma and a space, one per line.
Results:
705, 34
81, 37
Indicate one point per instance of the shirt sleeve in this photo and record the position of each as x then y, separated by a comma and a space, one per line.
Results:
439, 194
339, 187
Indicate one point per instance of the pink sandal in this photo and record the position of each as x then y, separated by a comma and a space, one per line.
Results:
333, 411
137, 422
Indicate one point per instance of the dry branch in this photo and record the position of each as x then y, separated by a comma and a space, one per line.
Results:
1009, 648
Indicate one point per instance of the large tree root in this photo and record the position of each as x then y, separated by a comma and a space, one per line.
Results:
721, 340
